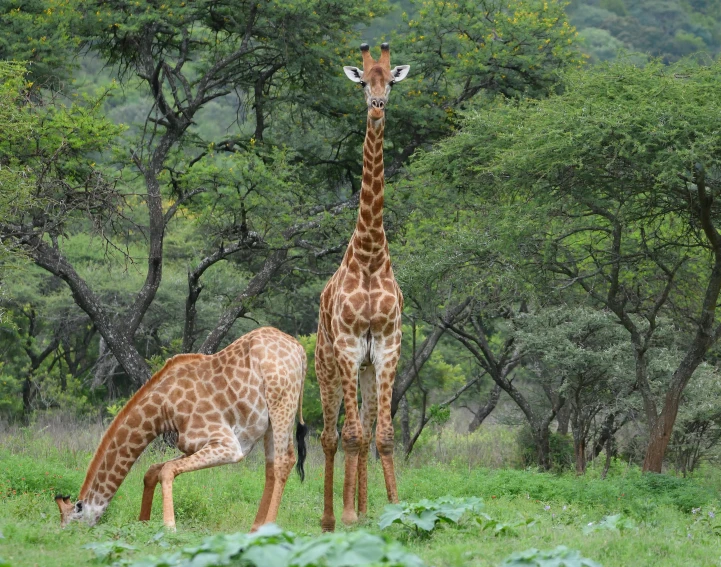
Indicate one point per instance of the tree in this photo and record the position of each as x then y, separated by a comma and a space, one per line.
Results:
587, 351
698, 429
226, 114
18, 124
469, 262
622, 165
38, 35
187, 56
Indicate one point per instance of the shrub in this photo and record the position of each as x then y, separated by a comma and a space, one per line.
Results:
562, 456
422, 517
559, 557
272, 547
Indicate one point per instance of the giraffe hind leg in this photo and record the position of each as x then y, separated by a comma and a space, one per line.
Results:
352, 436
282, 466
269, 480
220, 450
331, 396
369, 410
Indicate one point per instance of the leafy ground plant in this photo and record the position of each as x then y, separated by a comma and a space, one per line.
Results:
559, 557
502, 528
272, 547
617, 523
423, 516
108, 551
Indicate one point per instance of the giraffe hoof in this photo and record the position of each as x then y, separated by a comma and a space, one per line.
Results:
171, 527
349, 518
327, 524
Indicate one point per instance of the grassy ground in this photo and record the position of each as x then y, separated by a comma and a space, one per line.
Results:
669, 530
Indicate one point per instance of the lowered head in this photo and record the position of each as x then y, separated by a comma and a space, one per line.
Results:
70, 512
377, 78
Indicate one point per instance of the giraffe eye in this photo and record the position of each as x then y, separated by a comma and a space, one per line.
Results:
363, 84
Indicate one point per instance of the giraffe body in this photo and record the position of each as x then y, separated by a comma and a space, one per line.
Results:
359, 325
219, 405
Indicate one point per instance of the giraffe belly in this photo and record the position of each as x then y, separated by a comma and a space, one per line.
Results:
251, 430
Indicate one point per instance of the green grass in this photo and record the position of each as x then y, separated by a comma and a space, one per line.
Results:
225, 499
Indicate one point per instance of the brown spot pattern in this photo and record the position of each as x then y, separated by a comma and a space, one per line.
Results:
359, 331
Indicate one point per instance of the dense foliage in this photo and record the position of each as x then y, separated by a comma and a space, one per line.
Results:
667, 29
175, 174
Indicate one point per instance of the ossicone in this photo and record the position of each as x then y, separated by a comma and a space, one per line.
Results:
364, 47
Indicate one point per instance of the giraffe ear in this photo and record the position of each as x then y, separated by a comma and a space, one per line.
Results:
399, 73
354, 74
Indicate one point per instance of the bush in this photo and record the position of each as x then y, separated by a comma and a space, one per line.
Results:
562, 455
271, 546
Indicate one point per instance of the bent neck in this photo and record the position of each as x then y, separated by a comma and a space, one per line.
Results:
126, 438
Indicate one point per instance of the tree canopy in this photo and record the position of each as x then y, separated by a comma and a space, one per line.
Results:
174, 174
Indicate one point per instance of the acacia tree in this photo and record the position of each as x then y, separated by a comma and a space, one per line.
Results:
186, 55
265, 63
622, 165
17, 124
587, 349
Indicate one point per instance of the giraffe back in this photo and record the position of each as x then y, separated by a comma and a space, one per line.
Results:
234, 389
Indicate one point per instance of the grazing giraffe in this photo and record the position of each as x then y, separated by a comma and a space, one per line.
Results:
219, 405
359, 326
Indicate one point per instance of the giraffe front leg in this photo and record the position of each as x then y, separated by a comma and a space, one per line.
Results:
369, 410
150, 481
218, 451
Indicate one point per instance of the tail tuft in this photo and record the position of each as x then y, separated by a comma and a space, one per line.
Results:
300, 434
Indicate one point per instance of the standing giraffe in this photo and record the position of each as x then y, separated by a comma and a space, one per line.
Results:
220, 405
359, 326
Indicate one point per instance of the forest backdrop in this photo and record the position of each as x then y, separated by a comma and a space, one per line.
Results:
175, 174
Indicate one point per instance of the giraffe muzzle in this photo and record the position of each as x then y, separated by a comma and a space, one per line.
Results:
377, 108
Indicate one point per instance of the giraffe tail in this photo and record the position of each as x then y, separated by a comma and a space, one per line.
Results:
301, 430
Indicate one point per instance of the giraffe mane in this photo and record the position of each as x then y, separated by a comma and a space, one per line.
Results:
122, 414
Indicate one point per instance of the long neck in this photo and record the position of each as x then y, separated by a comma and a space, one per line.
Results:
121, 445
369, 235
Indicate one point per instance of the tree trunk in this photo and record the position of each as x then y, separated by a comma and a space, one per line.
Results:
239, 307
607, 465
661, 430
563, 418
542, 437
28, 396
485, 410
579, 449
704, 337
405, 423
607, 432
405, 378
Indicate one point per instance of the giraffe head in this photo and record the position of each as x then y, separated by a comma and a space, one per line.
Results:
377, 78
70, 512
